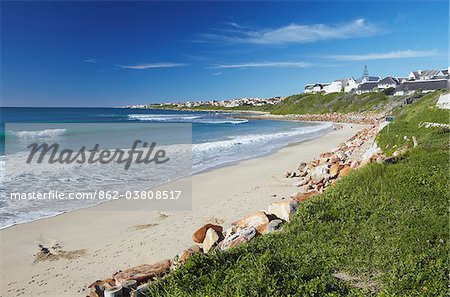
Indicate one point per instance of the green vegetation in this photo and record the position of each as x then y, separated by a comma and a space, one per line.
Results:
320, 104
334, 102
384, 228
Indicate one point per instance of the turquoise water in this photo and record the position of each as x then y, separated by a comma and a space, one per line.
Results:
217, 139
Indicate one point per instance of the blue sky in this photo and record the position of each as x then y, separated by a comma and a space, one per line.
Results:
99, 53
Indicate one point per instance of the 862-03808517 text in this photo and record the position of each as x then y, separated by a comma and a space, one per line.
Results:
100, 195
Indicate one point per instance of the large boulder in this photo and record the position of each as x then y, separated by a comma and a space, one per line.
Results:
283, 209
321, 171
334, 170
212, 238
241, 236
274, 226
143, 273
345, 171
199, 235
300, 197
258, 220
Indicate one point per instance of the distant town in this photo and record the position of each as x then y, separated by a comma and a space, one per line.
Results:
423, 81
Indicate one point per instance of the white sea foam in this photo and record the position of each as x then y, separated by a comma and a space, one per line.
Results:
184, 118
46, 133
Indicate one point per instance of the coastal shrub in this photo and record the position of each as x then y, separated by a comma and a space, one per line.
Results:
380, 231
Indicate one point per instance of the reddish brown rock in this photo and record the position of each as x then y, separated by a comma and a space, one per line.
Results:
199, 235
345, 171
258, 220
188, 253
98, 287
300, 197
334, 170
144, 272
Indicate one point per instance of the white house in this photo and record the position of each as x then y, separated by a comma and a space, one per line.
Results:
367, 87
351, 85
388, 82
315, 88
334, 87
426, 74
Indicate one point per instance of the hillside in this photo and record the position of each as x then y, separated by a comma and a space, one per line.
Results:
382, 230
376, 102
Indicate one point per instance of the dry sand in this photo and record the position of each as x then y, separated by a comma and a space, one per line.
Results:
95, 242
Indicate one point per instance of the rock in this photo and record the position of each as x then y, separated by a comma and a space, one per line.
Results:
345, 171
258, 220
300, 197
274, 226
320, 171
365, 162
354, 164
400, 151
98, 287
241, 236
199, 235
144, 272
188, 253
212, 238
390, 160
302, 182
294, 174
287, 174
113, 292
334, 170
380, 160
141, 291
283, 209
301, 166
334, 160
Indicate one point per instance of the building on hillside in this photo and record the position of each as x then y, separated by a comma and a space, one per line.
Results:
315, 88
428, 74
388, 82
351, 85
334, 87
367, 87
423, 86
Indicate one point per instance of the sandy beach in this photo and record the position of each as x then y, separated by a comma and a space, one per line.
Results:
97, 241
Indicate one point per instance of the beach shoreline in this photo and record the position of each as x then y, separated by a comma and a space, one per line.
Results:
102, 239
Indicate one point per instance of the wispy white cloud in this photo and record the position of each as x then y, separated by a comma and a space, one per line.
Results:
151, 66
263, 65
216, 73
90, 60
384, 56
293, 33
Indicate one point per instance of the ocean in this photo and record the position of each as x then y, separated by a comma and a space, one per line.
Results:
217, 139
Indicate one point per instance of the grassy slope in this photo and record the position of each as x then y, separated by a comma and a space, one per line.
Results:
320, 104
328, 103
386, 224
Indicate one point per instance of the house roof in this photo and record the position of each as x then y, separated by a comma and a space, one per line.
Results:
372, 78
429, 72
426, 85
367, 86
389, 80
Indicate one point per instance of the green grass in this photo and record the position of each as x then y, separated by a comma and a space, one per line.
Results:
329, 103
386, 224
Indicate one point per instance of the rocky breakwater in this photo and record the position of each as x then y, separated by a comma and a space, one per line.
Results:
309, 179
